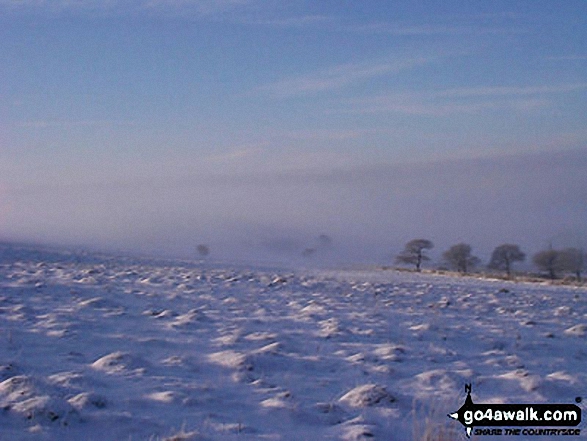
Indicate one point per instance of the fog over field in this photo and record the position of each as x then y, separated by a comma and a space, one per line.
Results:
257, 127
368, 212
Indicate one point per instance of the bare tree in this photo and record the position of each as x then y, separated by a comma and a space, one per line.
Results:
504, 256
203, 250
549, 261
414, 253
572, 260
459, 257
325, 241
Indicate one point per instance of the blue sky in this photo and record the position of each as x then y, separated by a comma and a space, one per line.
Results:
96, 91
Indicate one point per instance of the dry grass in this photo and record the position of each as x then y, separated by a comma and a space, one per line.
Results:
435, 433
181, 435
431, 422
527, 277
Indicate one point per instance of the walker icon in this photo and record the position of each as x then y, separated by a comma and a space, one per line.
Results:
469, 406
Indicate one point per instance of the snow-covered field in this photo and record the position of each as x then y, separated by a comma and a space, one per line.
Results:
102, 348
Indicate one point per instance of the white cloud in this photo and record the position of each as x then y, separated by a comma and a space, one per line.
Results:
60, 4
300, 21
568, 58
415, 106
326, 135
450, 24
50, 124
338, 77
204, 7
472, 100
509, 91
200, 7
238, 153
21, 3
410, 30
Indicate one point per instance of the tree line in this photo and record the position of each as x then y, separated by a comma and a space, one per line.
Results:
460, 258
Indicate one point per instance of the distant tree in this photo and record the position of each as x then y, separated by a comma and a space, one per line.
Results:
325, 241
203, 250
321, 243
459, 257
414, 253
504, 256
572, 260
549, 261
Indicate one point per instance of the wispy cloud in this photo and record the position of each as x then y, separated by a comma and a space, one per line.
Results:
325, 134
447, 25
399, 29
58, 5
51, 124
296, 21
268, 13
451, 24
338, 77
238, 153
568, 58
202, 7
411, 105
462, 100
17, 3
509, 91
175, 7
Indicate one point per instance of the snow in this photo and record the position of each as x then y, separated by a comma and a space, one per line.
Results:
98, 347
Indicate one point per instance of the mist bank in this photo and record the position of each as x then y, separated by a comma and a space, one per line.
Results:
360, 215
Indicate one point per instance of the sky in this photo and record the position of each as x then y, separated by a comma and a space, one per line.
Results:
255, 126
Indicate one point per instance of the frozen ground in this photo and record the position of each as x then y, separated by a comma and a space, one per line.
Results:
101, 348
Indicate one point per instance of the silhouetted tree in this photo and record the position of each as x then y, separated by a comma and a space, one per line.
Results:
573, 261
414, 253
459, 257
549, 261
325, 241
504, 256
203, 250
